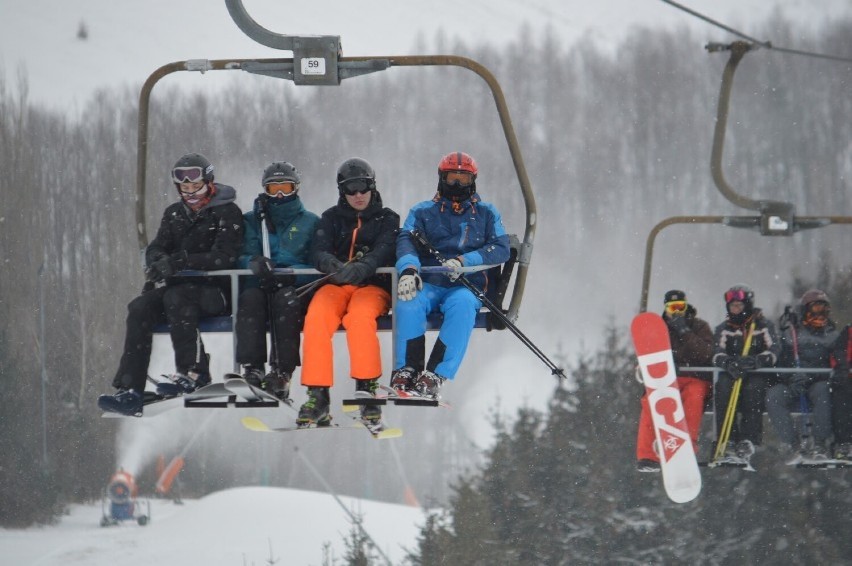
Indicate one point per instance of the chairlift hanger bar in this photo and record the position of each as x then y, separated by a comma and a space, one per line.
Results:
764, 44
305, 50
776, 218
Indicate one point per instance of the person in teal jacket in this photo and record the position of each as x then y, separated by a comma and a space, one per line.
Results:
467, 231
278, 233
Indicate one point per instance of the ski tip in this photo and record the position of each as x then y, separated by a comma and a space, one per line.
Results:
255, 424
388, 433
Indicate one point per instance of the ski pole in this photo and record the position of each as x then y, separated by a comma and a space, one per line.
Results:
731, 412
495, 310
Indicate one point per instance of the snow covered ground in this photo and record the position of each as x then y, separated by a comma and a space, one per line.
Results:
236, 527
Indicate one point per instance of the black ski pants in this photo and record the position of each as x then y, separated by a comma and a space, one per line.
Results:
181, 305
750, 406
841, 409
287, 320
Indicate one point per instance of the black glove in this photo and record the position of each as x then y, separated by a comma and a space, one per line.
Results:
747, 363
764, 360
799, 383
162, 268
678, 324
330, 264
353, 273
261, 266
731, 364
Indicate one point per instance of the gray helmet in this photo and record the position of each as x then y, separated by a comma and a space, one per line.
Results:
192, 167
281, 172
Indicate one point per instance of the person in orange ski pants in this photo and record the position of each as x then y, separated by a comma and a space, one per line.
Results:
353, 239
692, 345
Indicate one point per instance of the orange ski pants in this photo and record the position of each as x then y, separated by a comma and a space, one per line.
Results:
357, 309
693, 394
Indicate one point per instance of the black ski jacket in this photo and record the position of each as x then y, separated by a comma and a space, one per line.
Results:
343, 232
207, 240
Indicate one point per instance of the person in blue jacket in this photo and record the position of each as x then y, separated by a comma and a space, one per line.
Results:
466, 231
280, 218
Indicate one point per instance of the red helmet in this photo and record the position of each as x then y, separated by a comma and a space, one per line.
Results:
458, 161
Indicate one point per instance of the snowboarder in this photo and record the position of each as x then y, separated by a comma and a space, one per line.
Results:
353, 239
469, 232
280, 217
203, 231
806, 342
692, 345
745, 341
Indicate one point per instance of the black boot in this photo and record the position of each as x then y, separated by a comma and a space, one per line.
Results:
369, 412
278, 383
315, 409
253, 374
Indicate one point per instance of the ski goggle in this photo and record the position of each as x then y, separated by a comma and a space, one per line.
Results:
187, 174
735, 295
285, 188
357, 186
459, 178
819, 307
673, 307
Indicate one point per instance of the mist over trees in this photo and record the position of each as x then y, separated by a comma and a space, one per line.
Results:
613, 142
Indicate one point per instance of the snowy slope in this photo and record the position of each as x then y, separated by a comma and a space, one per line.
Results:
228, 528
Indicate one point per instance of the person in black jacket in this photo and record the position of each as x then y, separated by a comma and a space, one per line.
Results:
353, 239
807, 342
841, 398
203, 231
745, 341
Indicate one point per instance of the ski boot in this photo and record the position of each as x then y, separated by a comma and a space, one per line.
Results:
843, 453
315, 409
429, 384
403, 379
253, 375
369, 413
647, 466
744, 450
125, 402
278, 383
181, 384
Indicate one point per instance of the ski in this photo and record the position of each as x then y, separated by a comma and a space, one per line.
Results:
723, 463
377, 430
257, 425
154, 404
681, 476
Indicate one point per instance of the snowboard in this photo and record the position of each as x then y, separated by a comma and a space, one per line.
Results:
681, 476
256, 425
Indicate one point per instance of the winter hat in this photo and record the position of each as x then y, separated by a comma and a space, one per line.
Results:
812, 296
674, 295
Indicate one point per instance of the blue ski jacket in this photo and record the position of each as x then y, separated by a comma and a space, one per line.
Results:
471, 230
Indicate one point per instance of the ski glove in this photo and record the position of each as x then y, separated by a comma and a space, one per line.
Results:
353, 273
678, 325
453, 263
330, 264
799, 383
408, 285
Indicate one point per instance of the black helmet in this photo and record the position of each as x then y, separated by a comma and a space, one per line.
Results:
192, 167
280, 172
356, 169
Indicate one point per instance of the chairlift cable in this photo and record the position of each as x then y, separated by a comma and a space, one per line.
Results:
764, 44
